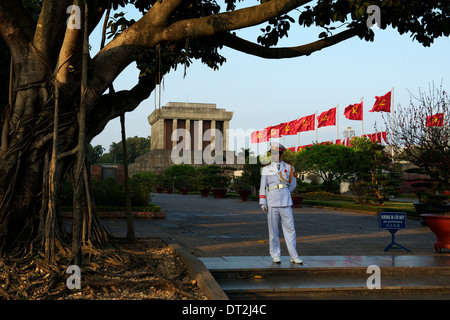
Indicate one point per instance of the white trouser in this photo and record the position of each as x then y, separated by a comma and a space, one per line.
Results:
287, 224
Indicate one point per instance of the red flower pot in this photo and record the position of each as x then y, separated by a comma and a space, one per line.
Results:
297, 201
219, 193
244, 194
439, 224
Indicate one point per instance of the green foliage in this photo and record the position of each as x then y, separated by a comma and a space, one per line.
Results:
375, 178
305, 187
136, 146
180, 176
212, 176
94, 154
110, 193
147, 180
241, 183
333, 163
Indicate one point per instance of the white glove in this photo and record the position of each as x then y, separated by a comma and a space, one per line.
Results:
263, 207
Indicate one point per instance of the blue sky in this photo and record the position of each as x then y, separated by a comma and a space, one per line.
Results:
263, 92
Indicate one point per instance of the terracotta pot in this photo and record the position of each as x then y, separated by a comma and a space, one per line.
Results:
297, 201
439, 224
204, 193
424, 208
244, 194
219, 193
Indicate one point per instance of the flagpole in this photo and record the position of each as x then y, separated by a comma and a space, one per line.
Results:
392, 123
362, 114
337, 122
315, 120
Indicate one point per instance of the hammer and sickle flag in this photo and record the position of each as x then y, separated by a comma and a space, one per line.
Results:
259, 136
291, 128
327, 118
354, 111
436, 120
382, 104
307, 123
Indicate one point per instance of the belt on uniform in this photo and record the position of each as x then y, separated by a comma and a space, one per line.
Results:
277, 186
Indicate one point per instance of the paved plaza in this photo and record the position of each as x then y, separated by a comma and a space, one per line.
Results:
228, 236
210, 227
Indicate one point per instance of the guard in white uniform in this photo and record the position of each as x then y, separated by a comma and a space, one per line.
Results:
277, 182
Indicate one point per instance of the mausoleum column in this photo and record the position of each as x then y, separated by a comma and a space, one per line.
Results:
226, 126
213, 134
174, 128
187, 143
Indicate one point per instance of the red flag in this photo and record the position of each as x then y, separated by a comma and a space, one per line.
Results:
274, 132
382, 135
354, 111
307, 123
327, 118
259, 136
436, 120
290, 128
382, 103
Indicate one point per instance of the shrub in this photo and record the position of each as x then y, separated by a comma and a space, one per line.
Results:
110, 193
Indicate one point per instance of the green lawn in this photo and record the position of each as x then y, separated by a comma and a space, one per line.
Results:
324, 199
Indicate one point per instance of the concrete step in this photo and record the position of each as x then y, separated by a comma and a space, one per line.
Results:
334, 283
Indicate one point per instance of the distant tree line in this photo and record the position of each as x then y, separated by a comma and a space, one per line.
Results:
136, 147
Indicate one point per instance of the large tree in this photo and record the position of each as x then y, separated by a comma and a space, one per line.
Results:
60, 97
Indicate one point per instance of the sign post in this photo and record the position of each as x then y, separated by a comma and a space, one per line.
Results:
393, 221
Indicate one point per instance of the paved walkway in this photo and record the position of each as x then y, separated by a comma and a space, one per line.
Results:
228, 234
210, 227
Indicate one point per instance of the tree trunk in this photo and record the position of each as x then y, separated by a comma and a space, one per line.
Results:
130, 226
34, 160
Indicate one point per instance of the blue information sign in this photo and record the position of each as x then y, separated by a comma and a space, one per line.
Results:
392, 220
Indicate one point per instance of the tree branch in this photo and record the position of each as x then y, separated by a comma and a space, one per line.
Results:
15, 37
248, 47
151, 30
114, 104
21, 16
227, 21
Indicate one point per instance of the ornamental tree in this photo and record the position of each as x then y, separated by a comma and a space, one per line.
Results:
60, 97
421, 137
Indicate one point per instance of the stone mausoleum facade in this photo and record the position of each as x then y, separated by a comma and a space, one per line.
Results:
186, 132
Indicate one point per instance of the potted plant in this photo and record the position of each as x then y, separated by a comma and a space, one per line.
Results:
159, 182
297, 199
183, 183
203, 180
430, 201
172, 176
219, 180
439, 224
242, 186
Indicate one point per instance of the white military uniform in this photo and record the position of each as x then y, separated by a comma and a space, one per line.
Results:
277, 182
